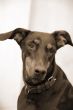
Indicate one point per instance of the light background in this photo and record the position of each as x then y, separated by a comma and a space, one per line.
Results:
38, 15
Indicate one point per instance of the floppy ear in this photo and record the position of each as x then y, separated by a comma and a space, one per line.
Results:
18, 34
62, 38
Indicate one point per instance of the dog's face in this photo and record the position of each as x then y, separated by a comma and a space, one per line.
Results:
38, 51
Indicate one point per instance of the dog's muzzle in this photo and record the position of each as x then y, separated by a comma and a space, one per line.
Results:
41, 87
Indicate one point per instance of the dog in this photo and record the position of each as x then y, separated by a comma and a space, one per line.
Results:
46, 86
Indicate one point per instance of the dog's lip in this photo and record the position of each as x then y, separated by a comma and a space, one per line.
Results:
37, 79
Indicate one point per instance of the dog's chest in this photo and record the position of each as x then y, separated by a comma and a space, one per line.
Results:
48, 101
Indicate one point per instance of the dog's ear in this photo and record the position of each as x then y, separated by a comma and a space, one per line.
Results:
62, 38
18, 34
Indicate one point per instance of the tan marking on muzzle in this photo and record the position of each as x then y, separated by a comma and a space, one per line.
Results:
29, 65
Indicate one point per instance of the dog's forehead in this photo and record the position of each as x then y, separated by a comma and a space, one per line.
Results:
44, 37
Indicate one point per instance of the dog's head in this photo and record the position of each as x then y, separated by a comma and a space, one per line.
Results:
38, 51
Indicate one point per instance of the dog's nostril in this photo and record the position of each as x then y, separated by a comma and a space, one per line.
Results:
36, 71
40, 72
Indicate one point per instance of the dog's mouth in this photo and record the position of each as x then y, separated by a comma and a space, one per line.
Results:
35, 80
39, 79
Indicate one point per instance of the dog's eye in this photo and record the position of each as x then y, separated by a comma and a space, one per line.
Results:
49, 50
32, 46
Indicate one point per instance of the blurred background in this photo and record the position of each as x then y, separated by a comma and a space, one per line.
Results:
36, 15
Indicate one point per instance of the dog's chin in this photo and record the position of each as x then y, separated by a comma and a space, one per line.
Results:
34, 81
37, 81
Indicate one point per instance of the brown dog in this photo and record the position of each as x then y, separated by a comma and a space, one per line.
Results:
46, 86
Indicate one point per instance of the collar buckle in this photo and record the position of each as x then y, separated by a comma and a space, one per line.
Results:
51, 80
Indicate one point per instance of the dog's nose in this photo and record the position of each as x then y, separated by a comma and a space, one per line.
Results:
39, 72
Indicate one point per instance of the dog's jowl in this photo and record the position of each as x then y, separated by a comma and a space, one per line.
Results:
46, 87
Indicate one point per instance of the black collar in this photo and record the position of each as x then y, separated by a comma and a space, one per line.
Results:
42, 87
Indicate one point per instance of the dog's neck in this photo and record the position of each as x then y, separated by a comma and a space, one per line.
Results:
46, 84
